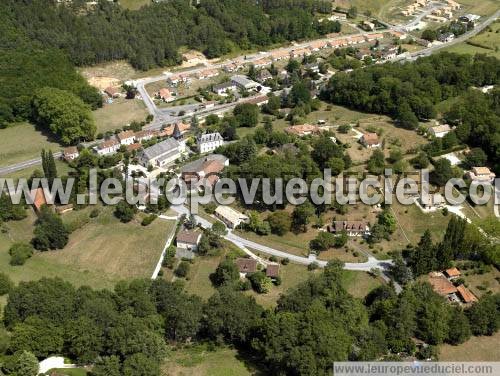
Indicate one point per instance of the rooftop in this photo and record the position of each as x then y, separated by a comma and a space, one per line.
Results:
189, 236
246, 265
165, 147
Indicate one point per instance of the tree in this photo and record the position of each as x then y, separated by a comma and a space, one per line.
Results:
24, 364
422, 259
49, 165
260, 283
226, 273
140, 365
6, 284
386, 219
301, 216
376, 163
130, 91
324, 149
300, 94
107, 366
20, 252
124, 211
352, 12
405, 117
459, 328
84, 340
9, 211
442, 173
64, 114
337, 165
280, 222
219, 228
50, 232
476, 157
420, 161
430, 35
323, 241
398, 270
483, 315
38, 336
246, 114
183, 269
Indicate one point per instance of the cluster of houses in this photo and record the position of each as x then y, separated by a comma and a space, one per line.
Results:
418, 5
443, 284
237, 82
205, 171
248, 266
351, 228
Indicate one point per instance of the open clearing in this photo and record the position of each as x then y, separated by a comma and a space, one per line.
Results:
22, 141
487, 42
476, 349
134, 4
119, 113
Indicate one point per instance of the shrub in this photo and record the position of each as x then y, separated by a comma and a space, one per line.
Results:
5, 284
148, 220
182, 270
19, 253
285, 261
94, 213
313, 266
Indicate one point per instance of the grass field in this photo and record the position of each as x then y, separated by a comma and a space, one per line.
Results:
22, 141
134, 4
62, 170
98, 254
118, 114
68, 372
487, 42
200, 361
481, 7
476, 349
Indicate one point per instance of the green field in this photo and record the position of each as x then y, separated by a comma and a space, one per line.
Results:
22, 142
476, 349
134, 4
487, 42
119, 113
68, 372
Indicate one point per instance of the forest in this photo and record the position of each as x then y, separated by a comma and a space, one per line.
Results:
127, 331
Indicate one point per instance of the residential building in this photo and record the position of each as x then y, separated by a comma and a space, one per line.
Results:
469, 18
339, 16
126, 137
144, 135
232, 218
244, 82
318, 45
258, 100
133, 147
481, 174
246, 265
440, 131
452, 273
207, 73
441, 285
208, 104
70, 153
107, 147
176, 79
112, 92
161, 154
39, 198
370, 140
367, 25
432, 201
303, 130
352, 228
280, 55
301, 52
188, 239
205, 170
224, 88
209, 142
466, 295
262, 63
363, 53
313, 67
263, 76
446, 37
165, 95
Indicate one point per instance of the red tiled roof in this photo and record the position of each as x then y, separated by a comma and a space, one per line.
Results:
466, 295
246, 265
441, 285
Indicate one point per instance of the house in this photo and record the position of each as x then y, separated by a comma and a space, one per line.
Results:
232, 67
246, 265
70, 153
279, 55
209, 142
188, 239
273, 270
107, 147
258, 100
397, 34
301, 52
303, 130
440, 131
232, 218
207, 73
263, 76
133, 147
481, 175
339, 16
441, 285
452, 273
362, 53
367, 25
446, 37
353, 228
466, 295
262, 63
374, 36
222, 89
469, 18
161, 154
387, 54
170, 131
112, 92
370, 140
176, 79
244, 82
356, 39
312, 67
204, 170
318, 45
165, 95
40, 197
144, 135
432, 201
126, 137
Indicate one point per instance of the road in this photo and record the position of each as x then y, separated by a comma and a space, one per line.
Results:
22, 165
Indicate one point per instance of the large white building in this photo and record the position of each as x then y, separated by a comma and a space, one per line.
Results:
209, 142
162, 154
230, 217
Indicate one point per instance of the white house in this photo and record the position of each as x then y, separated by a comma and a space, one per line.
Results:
107, 147
243, 82
162, 153
230, 217
481, 175
126, 137
440, 130
222, 89
188, 239
209, 142
370, 140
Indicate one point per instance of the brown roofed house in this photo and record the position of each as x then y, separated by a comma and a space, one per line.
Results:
452, 273
441, 285
112, 92
466, 295
370, 140
302, 129
353, 228
126, 137
39, 198
188, 239
70, 153
273, 270
246, 265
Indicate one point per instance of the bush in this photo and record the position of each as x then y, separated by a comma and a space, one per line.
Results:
183, 269
285, 261
260, 283
94, 213
6, 284
210, 208
148, 220
19, 253
124, 211
313, 266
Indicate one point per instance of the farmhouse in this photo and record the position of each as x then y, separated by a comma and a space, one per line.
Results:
481, 175
303, 130
70, 153
273, 271
230, 217
209, 142
161, 154
188, 239
264, 75
204, 170
353, 228
246, 265
440, 131
126, 137
243, 82
370, 140
107, 147
444, 287
165, 95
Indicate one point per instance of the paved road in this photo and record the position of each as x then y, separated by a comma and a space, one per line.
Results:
22, 165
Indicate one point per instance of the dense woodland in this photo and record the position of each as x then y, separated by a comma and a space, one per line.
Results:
127, 331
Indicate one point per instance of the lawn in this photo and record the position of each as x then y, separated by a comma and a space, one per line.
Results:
68, 372
199, 360
22, 142
99, 254
481, 7
481, 284
487, 42
134, 4
476, 349
119, 113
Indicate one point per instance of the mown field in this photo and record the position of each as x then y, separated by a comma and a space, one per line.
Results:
118, 114
476, 349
